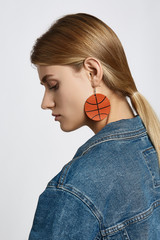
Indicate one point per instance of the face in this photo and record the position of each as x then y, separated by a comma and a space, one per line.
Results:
65, 94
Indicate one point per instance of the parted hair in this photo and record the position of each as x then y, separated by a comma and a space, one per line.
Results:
73, 38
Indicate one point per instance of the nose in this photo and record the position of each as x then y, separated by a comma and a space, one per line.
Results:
48, 101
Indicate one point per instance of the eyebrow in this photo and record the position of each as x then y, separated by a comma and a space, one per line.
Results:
44, 79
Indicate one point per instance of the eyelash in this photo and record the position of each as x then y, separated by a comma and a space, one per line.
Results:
54, 87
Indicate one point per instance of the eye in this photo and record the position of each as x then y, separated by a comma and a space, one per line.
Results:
55, 87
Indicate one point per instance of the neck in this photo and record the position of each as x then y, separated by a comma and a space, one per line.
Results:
120, 109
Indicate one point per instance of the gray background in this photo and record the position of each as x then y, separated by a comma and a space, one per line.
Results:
33, 147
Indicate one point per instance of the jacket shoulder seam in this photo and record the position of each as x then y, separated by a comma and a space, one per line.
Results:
84, 199
117, 136
65, 169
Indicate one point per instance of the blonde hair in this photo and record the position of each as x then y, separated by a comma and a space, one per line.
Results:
73, 38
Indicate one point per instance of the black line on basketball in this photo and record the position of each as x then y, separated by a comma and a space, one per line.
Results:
97, 106
97, 109
96, 102
98, 114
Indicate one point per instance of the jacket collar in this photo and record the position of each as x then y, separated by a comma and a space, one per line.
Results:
114, 130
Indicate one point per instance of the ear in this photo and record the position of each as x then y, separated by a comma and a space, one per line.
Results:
95, 71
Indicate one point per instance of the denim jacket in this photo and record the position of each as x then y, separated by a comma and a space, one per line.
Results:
109, 190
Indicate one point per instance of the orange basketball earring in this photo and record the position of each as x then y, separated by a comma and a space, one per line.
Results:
97, 106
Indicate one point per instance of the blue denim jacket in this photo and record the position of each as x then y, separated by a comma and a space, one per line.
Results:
109, 190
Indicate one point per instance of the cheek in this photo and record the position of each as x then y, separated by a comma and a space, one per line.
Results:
72, 109
76, 105
72, 101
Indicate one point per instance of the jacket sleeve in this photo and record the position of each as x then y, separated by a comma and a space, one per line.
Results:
60, 215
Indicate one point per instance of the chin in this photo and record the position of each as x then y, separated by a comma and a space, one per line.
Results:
68, 128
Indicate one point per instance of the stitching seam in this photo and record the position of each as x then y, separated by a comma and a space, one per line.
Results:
64, 173
106, 140
109, 138
133, 220
85, 200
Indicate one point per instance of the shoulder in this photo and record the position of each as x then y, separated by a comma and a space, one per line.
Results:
83, 166
98, 160
87, 173
106, 163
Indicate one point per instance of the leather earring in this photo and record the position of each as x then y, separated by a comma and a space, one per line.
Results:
97, 106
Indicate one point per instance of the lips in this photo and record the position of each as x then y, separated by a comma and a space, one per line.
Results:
55, 115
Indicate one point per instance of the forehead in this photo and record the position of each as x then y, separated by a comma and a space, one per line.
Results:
47, 70
57, 71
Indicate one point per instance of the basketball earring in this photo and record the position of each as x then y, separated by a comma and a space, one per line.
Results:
97, 106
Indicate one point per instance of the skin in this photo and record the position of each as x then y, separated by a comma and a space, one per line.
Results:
71, 89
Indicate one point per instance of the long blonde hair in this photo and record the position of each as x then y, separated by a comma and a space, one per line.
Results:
73, 38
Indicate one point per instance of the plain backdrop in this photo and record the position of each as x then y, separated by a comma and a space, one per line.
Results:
33, 147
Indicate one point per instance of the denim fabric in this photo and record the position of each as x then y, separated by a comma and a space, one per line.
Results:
109, 190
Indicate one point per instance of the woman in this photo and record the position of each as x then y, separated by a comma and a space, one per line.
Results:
111, 188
